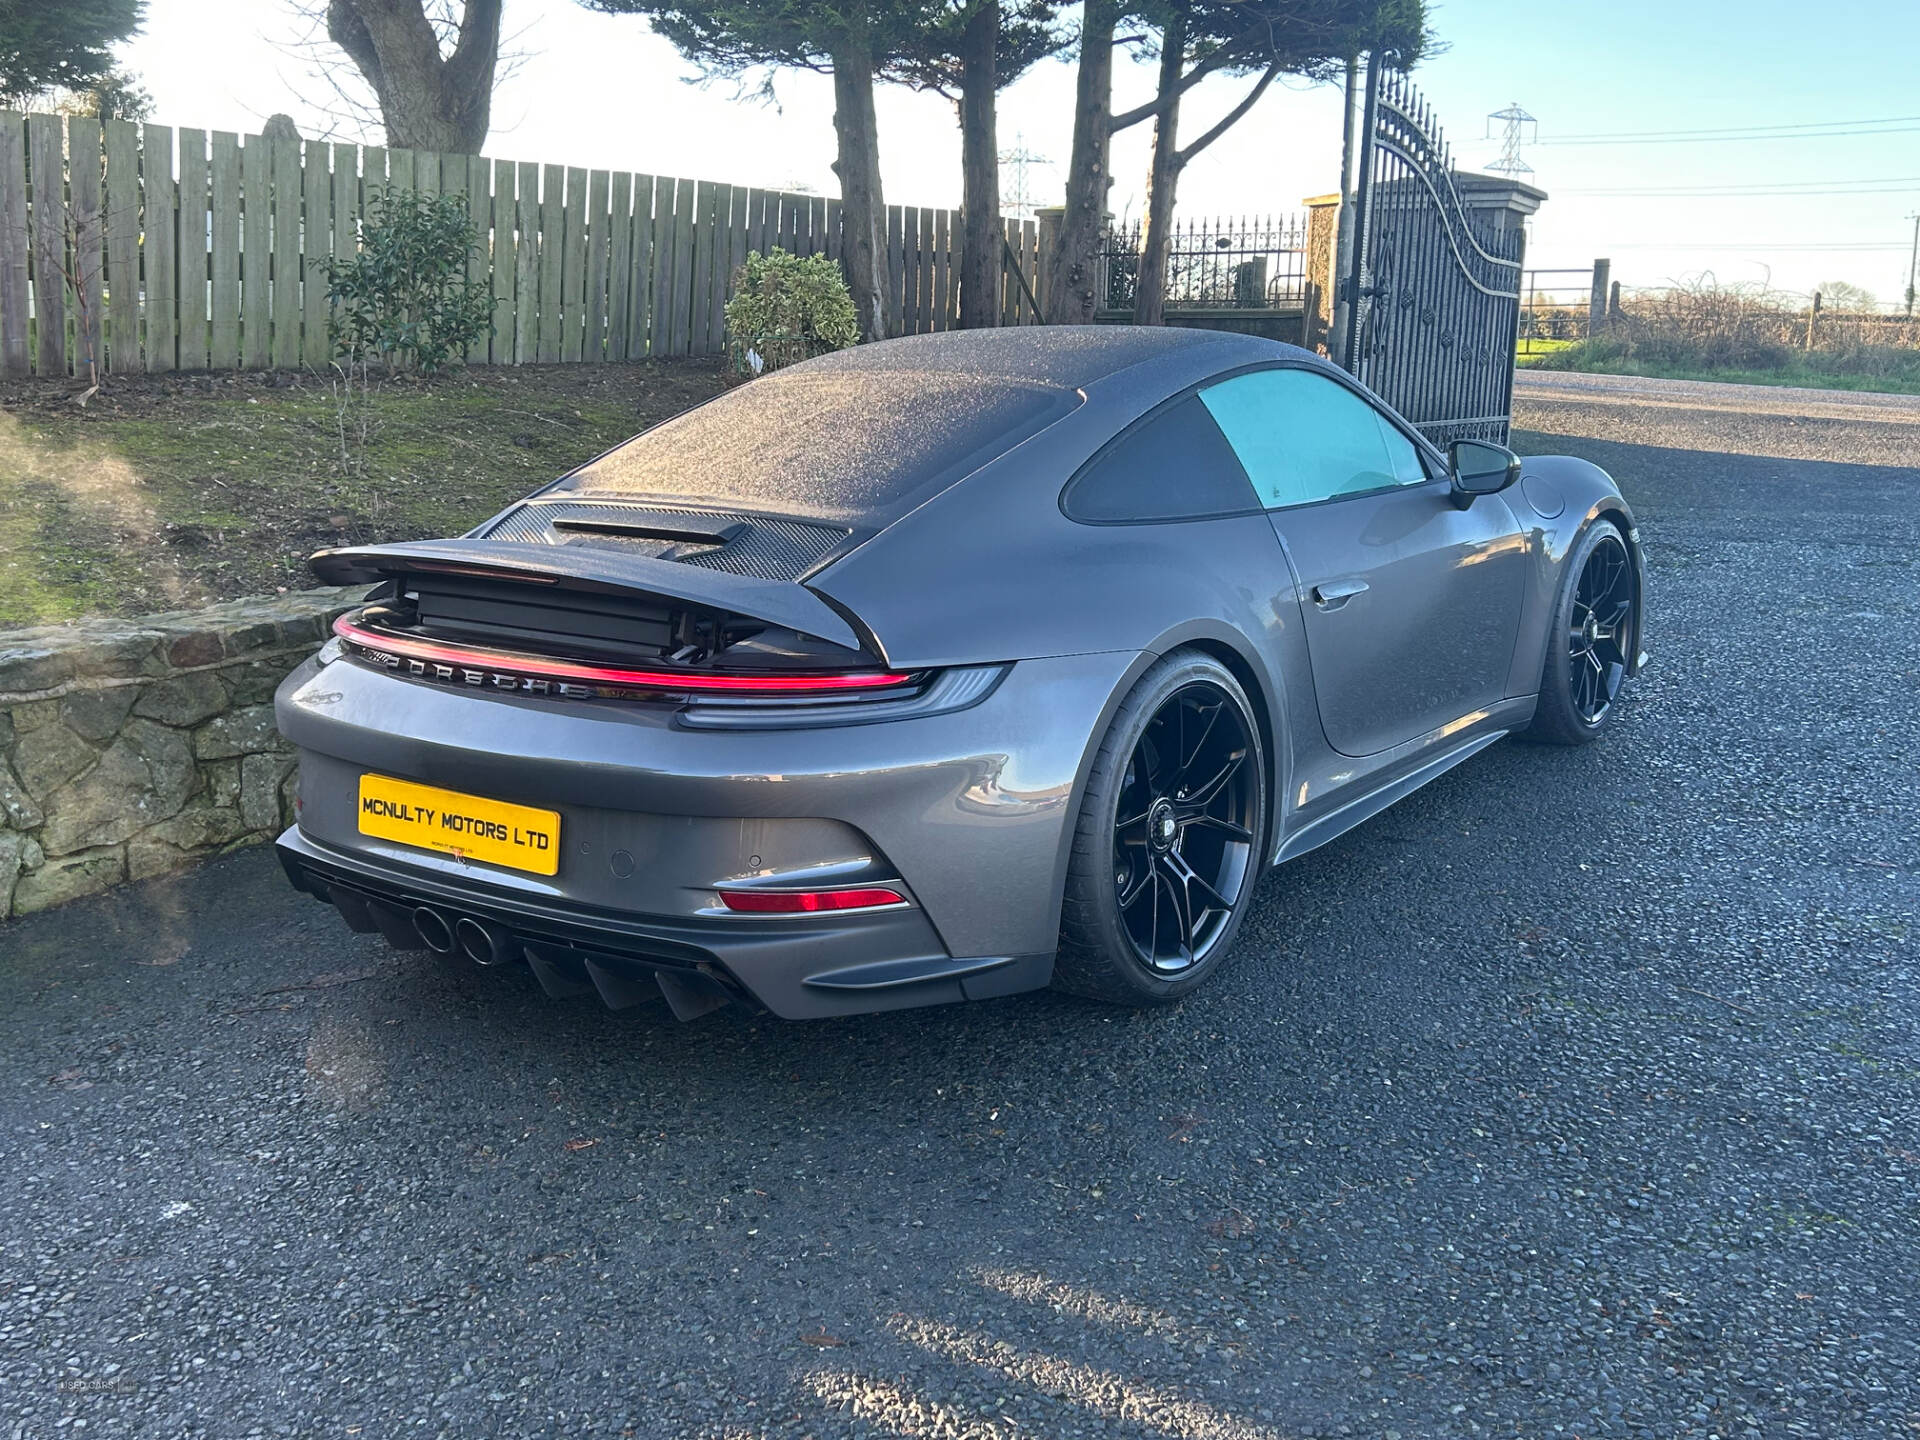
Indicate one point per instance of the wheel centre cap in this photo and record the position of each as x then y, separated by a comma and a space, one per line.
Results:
1162, 828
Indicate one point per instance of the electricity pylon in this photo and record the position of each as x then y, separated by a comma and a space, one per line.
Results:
1512, 138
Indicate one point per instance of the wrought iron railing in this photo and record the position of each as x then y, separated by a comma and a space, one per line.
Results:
1249, 263
1555, 308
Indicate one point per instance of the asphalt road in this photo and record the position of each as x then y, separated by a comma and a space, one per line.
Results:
1578, 1095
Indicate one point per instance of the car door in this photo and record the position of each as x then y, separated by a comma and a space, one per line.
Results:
1411, 605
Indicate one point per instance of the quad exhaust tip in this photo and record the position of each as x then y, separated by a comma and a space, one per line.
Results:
561, 970
483, 943
435, 931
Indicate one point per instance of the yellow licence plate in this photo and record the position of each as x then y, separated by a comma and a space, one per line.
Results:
517, 836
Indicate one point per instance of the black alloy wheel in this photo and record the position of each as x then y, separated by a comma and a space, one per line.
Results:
1167, 848
1591, 641
1183, 841
1600, 628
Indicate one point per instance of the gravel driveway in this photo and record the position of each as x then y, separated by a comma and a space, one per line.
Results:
1579, 1094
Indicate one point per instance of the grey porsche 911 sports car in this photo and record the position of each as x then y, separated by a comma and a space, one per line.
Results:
942, 668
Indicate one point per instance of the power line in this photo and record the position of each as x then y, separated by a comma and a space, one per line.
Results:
1723, 139
1782, 130
1851, 245
1751, 185
1887, 185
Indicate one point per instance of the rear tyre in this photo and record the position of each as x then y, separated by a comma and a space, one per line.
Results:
1168, 843
1589, 642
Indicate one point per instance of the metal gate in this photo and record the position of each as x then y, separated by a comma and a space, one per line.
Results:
1434, 292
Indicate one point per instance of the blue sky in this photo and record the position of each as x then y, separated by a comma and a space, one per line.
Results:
600, 91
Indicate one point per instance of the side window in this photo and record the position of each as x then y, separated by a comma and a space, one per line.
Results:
1175, 466
1403, 458
1303, 437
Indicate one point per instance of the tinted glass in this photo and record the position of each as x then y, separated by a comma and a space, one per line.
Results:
1402, 458
1303, 437
854, 445
1175, 466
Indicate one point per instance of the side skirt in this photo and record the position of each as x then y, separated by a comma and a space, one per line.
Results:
1332, 826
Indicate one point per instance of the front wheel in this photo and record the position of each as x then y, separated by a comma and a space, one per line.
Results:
1589, 642
1168, 843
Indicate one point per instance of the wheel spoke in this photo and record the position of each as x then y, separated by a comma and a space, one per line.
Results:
1226, 827
1203, 795
1182, 910
1153, 924
1130, 898
1185, 774
1191, 880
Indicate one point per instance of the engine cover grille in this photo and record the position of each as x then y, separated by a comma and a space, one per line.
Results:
762, 546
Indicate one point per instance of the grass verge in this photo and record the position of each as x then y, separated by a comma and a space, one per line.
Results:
171, 491
1813, 370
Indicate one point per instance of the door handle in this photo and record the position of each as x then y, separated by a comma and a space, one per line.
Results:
1335, 593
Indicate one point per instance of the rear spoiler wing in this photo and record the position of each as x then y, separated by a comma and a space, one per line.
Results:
777, 602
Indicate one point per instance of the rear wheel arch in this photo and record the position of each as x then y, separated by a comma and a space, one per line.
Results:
1253, 682
1100, 948
1263, 691
1265, 687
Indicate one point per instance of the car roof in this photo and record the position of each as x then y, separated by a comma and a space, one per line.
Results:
861, 436
1073, 356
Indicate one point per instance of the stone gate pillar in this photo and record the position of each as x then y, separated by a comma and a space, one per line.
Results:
1323, 225
1499, 200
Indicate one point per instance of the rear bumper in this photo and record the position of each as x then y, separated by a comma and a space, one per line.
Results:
969, 811
806, 968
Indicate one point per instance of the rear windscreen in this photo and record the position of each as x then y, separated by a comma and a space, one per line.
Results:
855, 445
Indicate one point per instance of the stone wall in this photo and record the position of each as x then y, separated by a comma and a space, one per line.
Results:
132, 747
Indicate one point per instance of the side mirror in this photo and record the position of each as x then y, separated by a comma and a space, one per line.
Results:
1476, 467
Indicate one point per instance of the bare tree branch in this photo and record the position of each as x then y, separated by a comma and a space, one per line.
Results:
1232, 116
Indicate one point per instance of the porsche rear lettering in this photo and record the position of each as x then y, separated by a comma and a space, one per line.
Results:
496, 679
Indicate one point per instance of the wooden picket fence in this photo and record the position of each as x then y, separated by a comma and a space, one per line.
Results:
145, 248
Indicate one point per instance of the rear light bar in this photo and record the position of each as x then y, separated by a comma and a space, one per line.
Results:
804, 902
508, 670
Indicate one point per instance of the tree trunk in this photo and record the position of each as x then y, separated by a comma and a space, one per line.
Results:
1073, 269
863, 210
984, 237
427, 101
1163, 175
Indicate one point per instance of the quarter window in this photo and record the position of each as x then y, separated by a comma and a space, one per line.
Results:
1303, 437
1174, 466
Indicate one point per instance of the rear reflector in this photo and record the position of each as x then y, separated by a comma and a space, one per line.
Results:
797, 902
511, 670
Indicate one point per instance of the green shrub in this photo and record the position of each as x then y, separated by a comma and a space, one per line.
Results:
406, 299
789, 307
